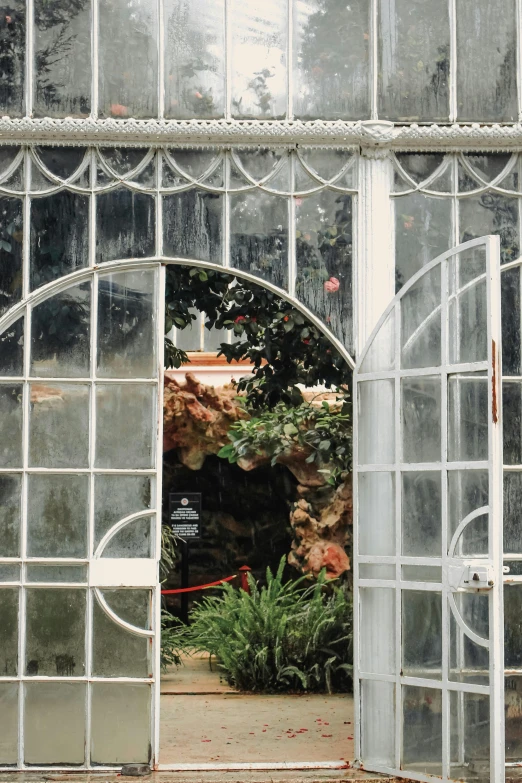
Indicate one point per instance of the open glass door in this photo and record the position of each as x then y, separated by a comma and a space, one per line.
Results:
428, 544
81, 368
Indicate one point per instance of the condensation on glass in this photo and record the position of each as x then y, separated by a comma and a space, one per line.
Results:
428, 552
285, 216
284, 59
78, 484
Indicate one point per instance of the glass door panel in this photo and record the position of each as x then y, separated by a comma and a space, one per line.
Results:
79, 522
428, 461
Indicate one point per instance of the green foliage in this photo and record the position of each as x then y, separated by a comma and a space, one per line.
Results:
322, 431
169, 641
284, 348
281, 637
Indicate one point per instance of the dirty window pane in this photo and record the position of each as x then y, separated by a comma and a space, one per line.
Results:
59, 236
259, 235
8, 723
324, 259
11, 240
57, 516
492, 213
10, 425
116, 497
12, 57
193, 225
116, 741
10, 505
55, 622
331, 68
125, 225
59, 425
125, 428
486, 65
423, 230
60, 334
9, 632
258, 53
62, 58
194, 58
116, 651
128, 56
414, 43
54, 723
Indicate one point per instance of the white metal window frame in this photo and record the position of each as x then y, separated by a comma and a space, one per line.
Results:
495, 689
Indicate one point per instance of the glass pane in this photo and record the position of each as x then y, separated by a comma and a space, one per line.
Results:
376, 513
135, 540
422, 514
11, 241
378, 722
466, 328
422, 730
467, 417
127, 325
512, 422
9, 631
62, 59
258, 54
491, 213
12, 349
57, 515
513, 626
194, 58
414, 60
59, 425
259, 235
324, 259
421, 634
421, 573
376, 571
421, 419
60, 334
513, 686
10, 506
381, 353
469, 736
13, 66
49, 573
377, 633
511, 307
55, 627
10, 425
59, 236
9, 573
8, 723
376, 437
125, 426
331, 66
421, 322
62, 162
125, 222
469, 661
467, 492
423, 230
54, 731
116, 497
128, 83
116, 651
120, 719
193, 225
486, 74
512, 517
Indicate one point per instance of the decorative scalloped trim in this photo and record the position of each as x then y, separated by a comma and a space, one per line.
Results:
197, 133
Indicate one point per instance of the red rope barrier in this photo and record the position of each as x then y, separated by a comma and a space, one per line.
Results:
198, 587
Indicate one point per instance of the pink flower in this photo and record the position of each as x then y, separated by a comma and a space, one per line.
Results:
198, 95
332, 285
118, 110
8, 19
239, 319
298, 202
408, 224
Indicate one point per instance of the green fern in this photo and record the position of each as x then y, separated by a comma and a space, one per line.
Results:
289, 636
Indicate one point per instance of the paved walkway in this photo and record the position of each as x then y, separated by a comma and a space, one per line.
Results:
204, 720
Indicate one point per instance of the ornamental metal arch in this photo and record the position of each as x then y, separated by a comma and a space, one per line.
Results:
80, 518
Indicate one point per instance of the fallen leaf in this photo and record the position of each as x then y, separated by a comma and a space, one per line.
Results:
326, 735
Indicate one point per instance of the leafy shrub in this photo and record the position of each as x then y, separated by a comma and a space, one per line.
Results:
282, 637
324, 432
169, 643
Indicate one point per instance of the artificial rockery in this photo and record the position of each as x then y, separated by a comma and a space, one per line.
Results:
266, 418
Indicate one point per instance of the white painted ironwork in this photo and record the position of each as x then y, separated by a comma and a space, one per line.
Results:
379, 737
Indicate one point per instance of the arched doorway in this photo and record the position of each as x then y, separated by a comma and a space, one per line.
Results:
81, 463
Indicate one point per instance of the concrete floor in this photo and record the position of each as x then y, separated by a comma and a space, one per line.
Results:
204, 720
